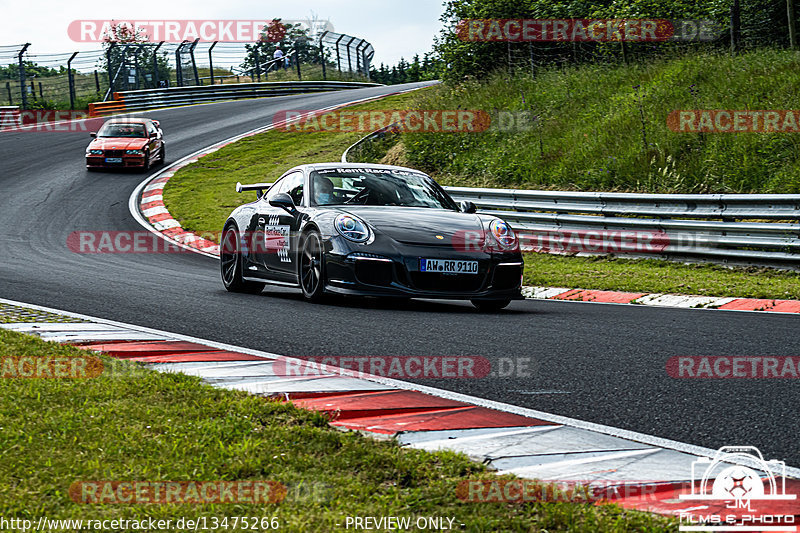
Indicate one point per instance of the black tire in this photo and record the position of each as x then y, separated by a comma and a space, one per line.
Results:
147, 161
490, 306
230, 263
311, 267
163, 154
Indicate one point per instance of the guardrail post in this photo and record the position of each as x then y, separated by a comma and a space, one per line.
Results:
71, 81
338, 57
179, 67
211, 61
361, 57
349, 55
135, 67
258, 63
297, 58
322, 54
156, 78
22, 76
194, 64
108, 67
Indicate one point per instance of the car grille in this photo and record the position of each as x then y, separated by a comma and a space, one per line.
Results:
113, 153
434, 281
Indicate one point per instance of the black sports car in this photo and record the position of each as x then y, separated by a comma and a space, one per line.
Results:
368, 230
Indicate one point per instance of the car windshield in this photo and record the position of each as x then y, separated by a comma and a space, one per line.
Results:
122, 130
377, 186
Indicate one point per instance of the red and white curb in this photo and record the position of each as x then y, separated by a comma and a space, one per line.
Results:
510, 439
663, 300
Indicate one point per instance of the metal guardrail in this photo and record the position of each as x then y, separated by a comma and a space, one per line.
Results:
672, 226
175, 96
719, 228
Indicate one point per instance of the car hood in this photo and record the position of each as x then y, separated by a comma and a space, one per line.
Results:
118, 143
416, 225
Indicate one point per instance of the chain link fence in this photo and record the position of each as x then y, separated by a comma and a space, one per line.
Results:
71, 80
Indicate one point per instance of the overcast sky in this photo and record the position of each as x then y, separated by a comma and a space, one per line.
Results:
394, 27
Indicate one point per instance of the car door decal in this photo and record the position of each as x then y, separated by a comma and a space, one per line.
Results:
276, 238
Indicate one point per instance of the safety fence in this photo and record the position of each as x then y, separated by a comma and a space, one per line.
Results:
71, 80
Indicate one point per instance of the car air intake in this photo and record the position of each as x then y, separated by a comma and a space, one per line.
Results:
507, 277
372, 271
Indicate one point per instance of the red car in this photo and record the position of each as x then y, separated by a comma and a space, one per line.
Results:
126, 143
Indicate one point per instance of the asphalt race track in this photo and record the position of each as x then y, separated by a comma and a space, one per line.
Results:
600, 363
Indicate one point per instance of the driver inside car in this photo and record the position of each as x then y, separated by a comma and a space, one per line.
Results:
323, 191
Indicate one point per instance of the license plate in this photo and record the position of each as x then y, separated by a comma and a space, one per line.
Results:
113, 160
448, 266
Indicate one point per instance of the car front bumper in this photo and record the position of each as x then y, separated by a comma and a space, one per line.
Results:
395, 273
128, 161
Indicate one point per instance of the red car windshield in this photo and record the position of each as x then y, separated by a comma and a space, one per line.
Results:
122, 130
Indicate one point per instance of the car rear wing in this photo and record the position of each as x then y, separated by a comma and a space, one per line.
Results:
260, 188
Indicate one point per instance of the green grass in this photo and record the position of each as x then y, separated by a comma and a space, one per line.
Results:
143, 425
589, 134
656, 276
202, 195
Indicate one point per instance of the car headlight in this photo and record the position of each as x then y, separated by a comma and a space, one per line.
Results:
95, 152
503, 234
352, 228
134, 152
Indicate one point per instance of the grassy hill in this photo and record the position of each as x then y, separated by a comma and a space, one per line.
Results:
603, 127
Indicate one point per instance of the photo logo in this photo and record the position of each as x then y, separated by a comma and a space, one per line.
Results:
726, 478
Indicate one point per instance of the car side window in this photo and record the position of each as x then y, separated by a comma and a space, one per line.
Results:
277, 188
294, 186
150, 129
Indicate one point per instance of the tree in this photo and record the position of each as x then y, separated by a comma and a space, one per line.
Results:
286, 37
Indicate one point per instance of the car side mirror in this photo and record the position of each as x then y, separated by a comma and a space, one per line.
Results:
467, 207
93, 134
153, 135
284, 201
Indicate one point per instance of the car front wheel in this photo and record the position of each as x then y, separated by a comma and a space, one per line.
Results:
311, 267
